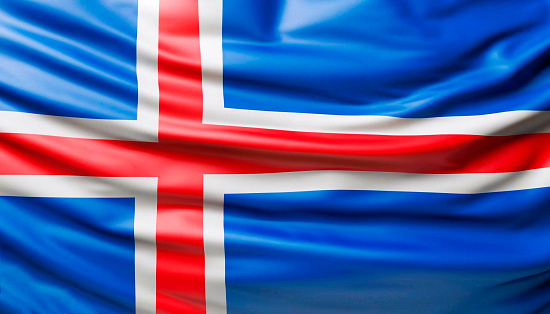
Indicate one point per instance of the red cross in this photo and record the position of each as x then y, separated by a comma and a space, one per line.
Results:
188, 149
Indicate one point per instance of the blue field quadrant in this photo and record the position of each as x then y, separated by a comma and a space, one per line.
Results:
69, 58
410, 59
350, 251
67, 255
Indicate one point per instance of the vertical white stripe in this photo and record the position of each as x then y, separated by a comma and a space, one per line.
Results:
147, 68
214, 253
210, 26
145, 233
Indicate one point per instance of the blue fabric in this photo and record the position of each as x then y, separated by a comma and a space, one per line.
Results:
403, 58
69, 58
388, 252
67, 255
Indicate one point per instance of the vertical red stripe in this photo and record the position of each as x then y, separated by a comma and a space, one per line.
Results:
180, 264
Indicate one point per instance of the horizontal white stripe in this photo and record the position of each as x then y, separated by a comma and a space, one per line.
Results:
144, 128
29, 123
503, 123
467, 183
216, 186
214, 112
144, 192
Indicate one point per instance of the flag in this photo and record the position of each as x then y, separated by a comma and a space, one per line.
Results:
294, 156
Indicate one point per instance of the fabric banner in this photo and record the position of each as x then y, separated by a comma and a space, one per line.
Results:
290, 156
